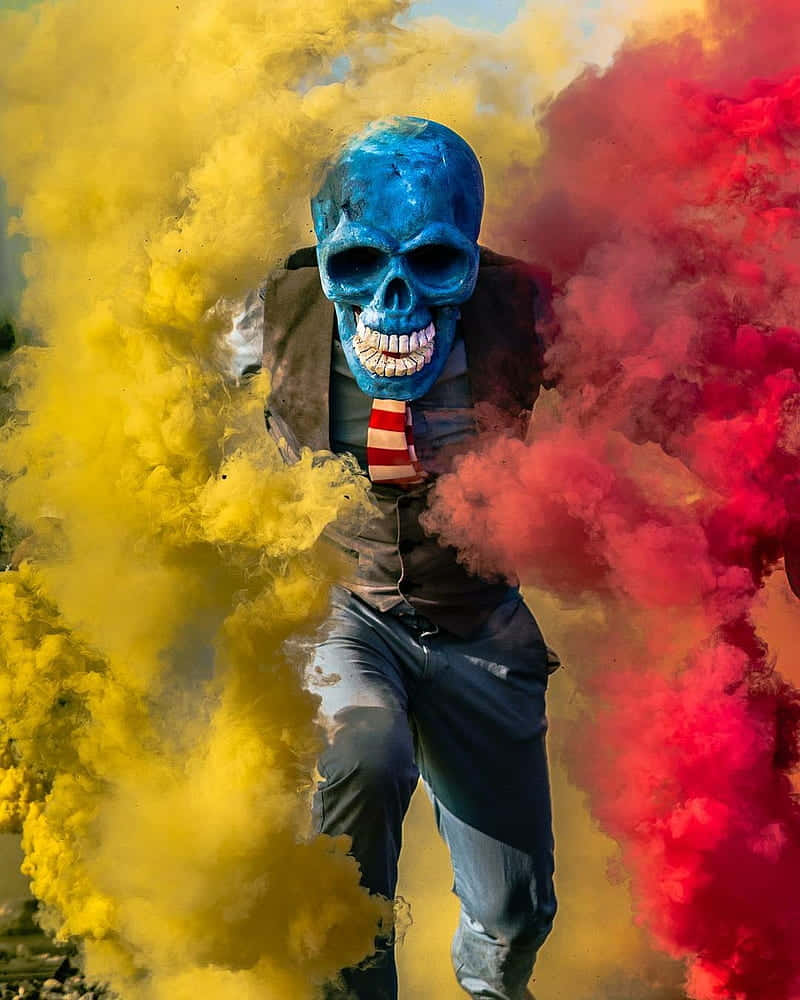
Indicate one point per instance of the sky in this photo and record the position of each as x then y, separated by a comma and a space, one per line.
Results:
488, 16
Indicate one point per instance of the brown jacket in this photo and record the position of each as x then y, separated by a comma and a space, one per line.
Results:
504, 359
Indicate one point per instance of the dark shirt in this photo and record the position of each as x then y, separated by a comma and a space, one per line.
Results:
395, 557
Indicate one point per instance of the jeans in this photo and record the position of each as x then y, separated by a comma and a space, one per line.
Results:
400, 698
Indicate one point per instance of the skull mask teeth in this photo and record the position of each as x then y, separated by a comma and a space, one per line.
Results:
393, 354
397, 220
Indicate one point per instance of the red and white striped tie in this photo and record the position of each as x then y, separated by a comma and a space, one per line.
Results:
390, 444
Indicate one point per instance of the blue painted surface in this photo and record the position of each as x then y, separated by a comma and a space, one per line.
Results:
397, 219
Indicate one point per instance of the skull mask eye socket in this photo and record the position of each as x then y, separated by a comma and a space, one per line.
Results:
356, 265
438, 265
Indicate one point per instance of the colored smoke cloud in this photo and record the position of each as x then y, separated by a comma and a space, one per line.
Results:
162, 745
667, 479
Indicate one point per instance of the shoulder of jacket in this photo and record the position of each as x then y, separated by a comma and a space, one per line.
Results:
298, 273
490, 258
537, 274
303, 257
537, 280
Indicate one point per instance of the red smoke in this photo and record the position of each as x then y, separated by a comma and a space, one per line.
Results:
668, 210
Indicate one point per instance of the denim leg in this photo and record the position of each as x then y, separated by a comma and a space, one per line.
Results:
477, 714
505, 916
368, 776
481, 727
368, 773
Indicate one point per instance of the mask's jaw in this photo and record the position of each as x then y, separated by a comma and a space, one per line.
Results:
396, 366
393, 355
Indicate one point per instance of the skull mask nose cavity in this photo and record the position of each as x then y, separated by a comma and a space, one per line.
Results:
397, 295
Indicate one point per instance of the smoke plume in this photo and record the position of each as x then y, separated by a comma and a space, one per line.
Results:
666, 483
158, 743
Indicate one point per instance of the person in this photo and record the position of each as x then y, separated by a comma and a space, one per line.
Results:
396, 340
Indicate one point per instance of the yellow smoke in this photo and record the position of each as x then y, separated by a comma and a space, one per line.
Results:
161, 742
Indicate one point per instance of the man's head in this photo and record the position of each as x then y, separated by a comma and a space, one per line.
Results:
397, 220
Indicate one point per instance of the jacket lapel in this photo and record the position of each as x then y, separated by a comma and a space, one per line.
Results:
298, 341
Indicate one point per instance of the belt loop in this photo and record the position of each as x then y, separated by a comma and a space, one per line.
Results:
414, 620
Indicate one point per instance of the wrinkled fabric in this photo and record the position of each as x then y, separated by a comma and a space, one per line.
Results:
401, 697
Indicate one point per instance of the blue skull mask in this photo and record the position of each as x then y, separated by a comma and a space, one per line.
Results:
397, 221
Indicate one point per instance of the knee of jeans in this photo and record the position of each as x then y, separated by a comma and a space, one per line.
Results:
517, 919
373, 747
